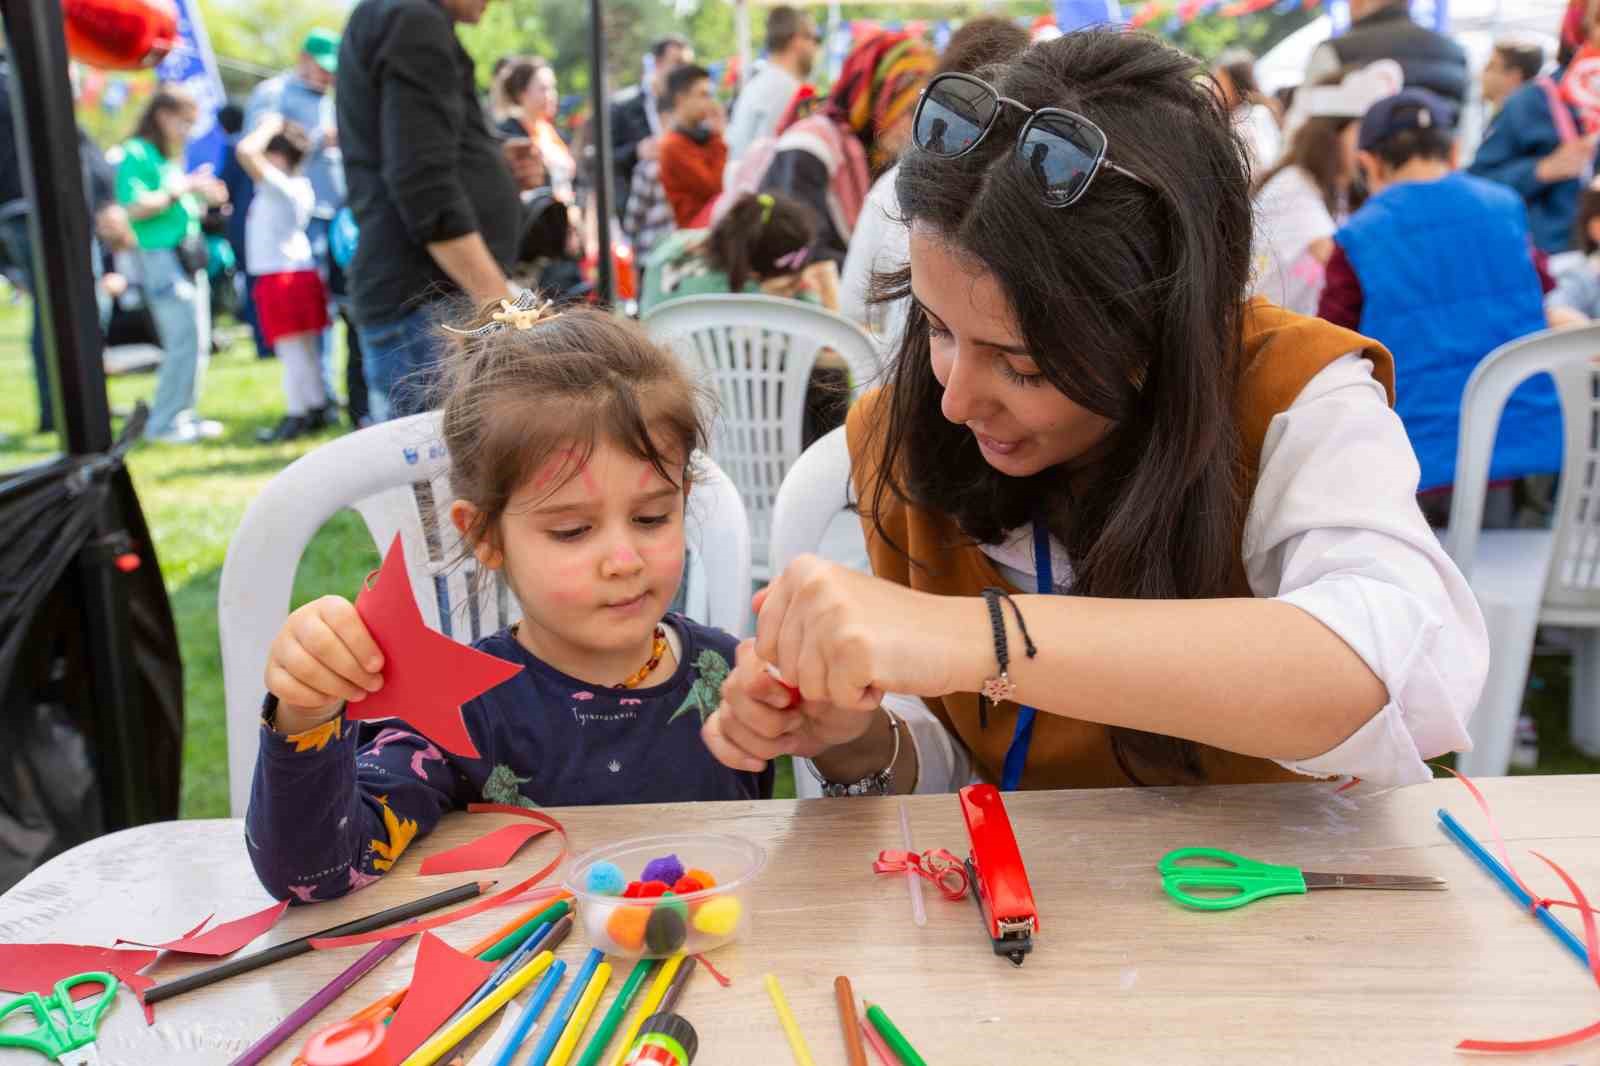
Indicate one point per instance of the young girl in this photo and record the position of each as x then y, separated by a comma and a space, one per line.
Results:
758, 246
570, 439
1085, 402
291, 302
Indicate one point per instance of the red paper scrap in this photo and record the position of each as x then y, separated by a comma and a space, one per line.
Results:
223, 939
426, 675
510, 895
37, 967
488, 852
441, 981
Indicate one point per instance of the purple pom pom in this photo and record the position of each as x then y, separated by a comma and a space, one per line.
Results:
667, 869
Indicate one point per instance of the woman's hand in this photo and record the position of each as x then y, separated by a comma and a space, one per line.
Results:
321, 658
761, 718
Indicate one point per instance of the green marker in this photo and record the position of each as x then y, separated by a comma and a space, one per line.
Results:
893, 1037
608, 1025
513, 940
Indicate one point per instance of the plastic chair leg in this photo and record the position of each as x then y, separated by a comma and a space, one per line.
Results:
1584, 706
1494, 724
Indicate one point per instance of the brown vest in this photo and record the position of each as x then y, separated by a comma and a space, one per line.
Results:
1282, 353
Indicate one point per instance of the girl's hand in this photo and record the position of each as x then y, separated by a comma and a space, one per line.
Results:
321, 658
759, 719
844, 638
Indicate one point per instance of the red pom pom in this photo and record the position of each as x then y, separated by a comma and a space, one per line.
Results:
686, 885
652, 889
634, 890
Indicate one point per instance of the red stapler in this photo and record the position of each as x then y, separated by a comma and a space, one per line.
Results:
995, 870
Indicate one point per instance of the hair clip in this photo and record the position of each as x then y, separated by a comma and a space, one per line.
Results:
523, 313
794, 260
766, 201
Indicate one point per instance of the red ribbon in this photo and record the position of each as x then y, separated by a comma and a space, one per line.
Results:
947, 872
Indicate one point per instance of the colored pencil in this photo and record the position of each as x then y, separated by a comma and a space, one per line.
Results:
893, 1037
875, 1042
536, 1005
506, 944
647, 1006
313, 1006
580, 1017
919, 910
569, 1003
847, 1021
1470, 845
680, 981
791, 1028
300, 945
444, 1041
613, 1017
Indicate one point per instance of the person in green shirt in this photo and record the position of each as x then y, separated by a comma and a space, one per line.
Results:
165, 204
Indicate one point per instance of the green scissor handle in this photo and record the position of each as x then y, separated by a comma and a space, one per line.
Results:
1248, 879
63, 1026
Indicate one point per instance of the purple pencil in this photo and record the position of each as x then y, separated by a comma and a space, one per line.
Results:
335, 988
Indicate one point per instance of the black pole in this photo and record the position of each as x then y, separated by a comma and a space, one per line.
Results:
47, 136
605, 284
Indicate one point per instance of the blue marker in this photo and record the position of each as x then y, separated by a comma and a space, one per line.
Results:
569, 1003
541, 996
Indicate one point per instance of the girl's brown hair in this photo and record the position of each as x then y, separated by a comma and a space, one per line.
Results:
1588, 211
757, 232
514, 399
168, 98
1315, 148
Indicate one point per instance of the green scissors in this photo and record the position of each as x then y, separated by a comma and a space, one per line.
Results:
1246, 880
69, 1038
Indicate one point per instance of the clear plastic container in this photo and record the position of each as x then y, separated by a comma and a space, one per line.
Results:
632, 928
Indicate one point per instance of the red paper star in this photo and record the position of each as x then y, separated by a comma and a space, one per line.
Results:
426, 675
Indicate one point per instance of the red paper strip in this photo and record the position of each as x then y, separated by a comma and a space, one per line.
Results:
488, 852
224, 939
507, 896
37, 967
947, 872
441, 981
426, 675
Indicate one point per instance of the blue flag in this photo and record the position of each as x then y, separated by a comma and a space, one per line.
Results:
193, 66
1076, 14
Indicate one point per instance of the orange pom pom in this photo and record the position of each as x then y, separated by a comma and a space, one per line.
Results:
705, 879
626, 926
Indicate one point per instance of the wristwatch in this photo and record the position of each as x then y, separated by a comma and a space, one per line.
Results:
878, 784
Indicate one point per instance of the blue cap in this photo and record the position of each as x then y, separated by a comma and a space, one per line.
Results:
1409, 109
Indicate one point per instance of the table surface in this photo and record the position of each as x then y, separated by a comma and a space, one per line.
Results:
1119, 973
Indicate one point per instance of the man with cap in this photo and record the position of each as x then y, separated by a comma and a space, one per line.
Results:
1399, 276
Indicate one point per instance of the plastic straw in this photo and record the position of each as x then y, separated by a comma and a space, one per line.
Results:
919, 912
791, 1028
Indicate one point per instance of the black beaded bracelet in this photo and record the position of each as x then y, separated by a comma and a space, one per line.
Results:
999, 687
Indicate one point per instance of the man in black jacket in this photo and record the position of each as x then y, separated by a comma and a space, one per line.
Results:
1382, 29
433, 197
635, 123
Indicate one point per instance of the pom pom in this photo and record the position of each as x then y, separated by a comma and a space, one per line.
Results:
719, 916
705, 879
686, 884
633, 890
666, 869
652, 889
671, 902
626, 927
605, 879
666, 930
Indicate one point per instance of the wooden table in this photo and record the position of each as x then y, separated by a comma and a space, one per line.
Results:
1119, 974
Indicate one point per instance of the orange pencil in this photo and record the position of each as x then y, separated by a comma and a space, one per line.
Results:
853, 1048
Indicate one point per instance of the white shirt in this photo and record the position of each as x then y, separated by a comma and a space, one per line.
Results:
881, 242
1333, 528
275, 240
761, 104
1262, 138
1290, 215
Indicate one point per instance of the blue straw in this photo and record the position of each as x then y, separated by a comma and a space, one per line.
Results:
1509, 883
569, 1003
536, 1005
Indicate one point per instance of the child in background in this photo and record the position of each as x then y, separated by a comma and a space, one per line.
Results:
291, 302
570, 439
1576, 298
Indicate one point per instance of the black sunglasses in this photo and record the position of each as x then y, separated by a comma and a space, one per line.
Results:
1062, 149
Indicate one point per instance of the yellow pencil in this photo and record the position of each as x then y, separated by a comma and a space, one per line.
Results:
448, 1037
791, 1029
652, 1000
580, 1017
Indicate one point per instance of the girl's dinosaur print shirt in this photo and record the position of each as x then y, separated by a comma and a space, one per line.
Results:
332, 808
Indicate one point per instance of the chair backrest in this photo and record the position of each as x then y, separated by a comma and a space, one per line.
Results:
756, 353
397, 476
813, 493
1569, 356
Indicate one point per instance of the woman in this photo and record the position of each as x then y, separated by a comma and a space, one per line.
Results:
530, 86
165, 206
1084, 402
1301, 202
1235, 75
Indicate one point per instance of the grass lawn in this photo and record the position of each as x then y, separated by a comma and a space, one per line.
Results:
195, 495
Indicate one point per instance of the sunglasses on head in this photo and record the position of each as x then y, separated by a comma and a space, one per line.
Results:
1062, 150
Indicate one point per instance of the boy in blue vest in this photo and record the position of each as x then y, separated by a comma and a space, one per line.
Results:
1440, 267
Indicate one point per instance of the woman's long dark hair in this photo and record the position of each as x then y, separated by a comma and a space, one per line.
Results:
1131, 303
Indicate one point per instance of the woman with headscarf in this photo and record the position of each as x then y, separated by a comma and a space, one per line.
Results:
828, 159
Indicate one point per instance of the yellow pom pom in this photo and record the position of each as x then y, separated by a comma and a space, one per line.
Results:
718, 917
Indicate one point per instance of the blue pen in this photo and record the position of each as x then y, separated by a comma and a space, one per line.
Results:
1509, 883
536, 1005
510, 964
569, 1003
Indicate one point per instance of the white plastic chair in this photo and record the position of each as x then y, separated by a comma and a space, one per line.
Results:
396, 475
756, 353
1524, 578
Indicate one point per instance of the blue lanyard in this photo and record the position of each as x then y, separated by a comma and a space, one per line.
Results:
1017, 753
